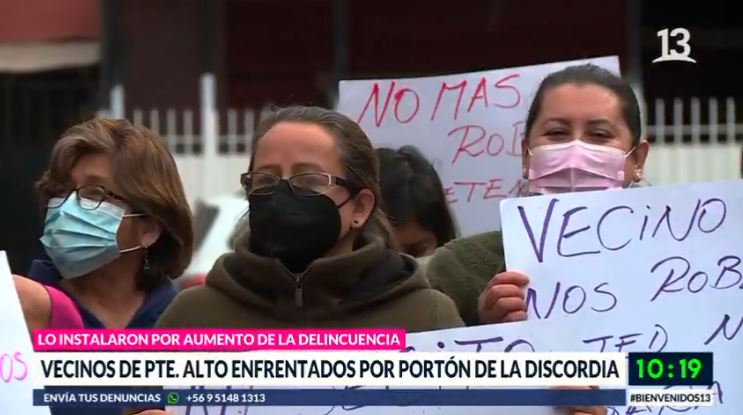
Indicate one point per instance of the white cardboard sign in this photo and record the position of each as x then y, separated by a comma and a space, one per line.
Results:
16, 352
647, 270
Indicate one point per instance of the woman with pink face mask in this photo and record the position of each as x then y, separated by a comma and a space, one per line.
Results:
582, 133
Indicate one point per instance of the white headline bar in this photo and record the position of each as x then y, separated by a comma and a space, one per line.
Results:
299, 369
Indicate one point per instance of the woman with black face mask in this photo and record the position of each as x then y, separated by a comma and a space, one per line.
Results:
318, 252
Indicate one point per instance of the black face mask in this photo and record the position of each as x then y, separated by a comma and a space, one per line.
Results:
295, 229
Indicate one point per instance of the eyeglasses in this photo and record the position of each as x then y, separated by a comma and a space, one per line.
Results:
305, 184
88, 197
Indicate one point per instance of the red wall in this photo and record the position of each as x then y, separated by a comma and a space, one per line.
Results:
38, 20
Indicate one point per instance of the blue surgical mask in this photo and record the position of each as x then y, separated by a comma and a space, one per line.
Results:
80, 240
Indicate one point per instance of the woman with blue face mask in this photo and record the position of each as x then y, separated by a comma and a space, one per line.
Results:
117, 225
582, 133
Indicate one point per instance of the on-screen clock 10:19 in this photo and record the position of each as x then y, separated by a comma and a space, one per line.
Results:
670, 369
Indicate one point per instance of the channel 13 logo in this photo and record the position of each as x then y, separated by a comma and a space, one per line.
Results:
681, 50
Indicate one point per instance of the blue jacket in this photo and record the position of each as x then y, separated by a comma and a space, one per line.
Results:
43, 271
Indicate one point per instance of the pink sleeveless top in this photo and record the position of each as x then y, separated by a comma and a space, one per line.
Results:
64, 313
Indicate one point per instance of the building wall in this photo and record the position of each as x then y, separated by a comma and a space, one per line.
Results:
282, 50
433, 37
39, 20
35, 107
275, 49
161, 50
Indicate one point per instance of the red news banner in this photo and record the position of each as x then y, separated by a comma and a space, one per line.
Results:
470, 126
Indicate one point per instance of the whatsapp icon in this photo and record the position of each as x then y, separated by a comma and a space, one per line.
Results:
173, 398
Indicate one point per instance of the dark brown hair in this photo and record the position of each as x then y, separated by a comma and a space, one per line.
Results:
592, 75
146, 176
412, 190
357, 155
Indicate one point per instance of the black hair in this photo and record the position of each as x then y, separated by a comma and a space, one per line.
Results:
595, 75
411, 189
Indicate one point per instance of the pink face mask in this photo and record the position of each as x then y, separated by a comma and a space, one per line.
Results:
575, 166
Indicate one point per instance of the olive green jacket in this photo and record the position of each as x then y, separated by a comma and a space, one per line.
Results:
462, 268
370, 287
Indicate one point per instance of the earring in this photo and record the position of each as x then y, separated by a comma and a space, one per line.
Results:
638, 175
146, 265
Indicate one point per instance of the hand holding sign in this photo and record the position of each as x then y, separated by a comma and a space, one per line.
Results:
638, 270
584, 410
503, 299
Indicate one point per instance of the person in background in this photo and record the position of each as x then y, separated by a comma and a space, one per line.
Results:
414, 201
45, 307
117, 223
582, 133
318, 252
